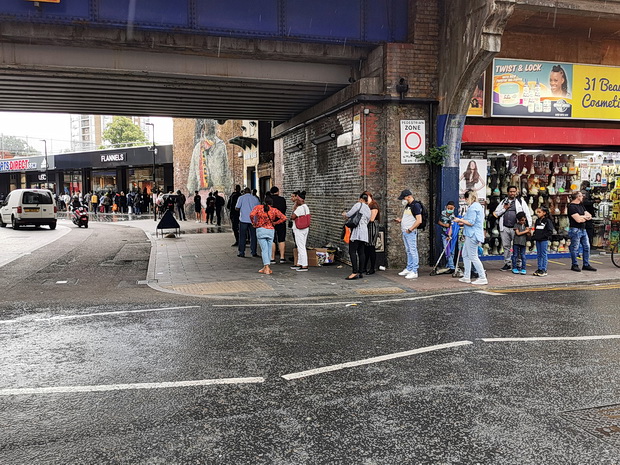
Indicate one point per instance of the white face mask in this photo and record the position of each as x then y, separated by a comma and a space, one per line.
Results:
404, 202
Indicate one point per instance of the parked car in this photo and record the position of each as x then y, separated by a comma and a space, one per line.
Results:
28, 207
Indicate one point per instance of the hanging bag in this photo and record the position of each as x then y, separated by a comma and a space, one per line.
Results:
303, 221
354, 221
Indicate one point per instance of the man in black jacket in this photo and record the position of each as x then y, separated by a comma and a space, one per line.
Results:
234, 214
219, 203
279, 236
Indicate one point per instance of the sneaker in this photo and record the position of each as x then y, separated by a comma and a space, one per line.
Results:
404, 272
302, 269
465, 280
506, 267
588, 268
255, 255
480, 281
536, 273
273, 262
542, 273
411, 275
515, 270
240, 255
575, 268
282, 260
295, 267
523, 271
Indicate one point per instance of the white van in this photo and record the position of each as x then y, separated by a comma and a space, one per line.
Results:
28, 206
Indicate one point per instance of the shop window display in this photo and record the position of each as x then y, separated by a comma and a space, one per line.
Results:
548, 178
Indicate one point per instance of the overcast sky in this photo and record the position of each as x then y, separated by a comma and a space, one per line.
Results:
56, 129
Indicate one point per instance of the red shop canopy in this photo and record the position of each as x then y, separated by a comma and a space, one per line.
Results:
536, 135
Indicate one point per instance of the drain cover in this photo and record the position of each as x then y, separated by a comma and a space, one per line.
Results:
602, 422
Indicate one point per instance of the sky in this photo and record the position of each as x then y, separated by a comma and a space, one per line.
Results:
56, 129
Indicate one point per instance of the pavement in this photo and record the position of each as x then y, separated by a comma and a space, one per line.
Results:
201, 262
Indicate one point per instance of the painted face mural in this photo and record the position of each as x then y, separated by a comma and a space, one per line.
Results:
209, 169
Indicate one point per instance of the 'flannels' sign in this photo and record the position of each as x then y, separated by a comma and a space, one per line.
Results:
113, 157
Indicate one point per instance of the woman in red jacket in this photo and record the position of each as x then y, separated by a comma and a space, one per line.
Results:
264, 217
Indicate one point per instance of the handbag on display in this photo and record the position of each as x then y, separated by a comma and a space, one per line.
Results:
303, 221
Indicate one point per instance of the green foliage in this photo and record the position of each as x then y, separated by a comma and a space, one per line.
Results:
435, 155
122, 132
16, 146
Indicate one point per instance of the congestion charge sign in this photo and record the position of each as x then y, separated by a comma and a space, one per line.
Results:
412, 141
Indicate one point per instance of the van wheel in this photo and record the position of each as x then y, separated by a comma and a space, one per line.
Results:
14, 223
2, 223
52, 225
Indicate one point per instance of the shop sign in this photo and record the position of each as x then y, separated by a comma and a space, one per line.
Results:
476, 104
412, 141
113, 157
42, 177
540, 89
14, 165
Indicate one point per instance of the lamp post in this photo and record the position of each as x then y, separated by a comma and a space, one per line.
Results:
46, 164
154, 150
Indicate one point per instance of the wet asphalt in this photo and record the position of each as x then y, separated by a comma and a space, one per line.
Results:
477, 403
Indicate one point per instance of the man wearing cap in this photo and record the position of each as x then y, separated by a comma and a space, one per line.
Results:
409, 223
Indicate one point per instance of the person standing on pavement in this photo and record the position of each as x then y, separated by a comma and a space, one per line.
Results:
301, 235
359, 236
197, 206
577, 217
279, 238
219, 203
543, 230
181, 199
507, 211
474, 236
210, 208
370, 252
445, 221
265, 218
410, 220
234, 214
94, 203
588, 203
245, 205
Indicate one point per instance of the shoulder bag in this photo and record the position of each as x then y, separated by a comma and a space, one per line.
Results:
354, 221
303, 221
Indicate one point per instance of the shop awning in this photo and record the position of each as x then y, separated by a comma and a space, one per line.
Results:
243, 142
539, 136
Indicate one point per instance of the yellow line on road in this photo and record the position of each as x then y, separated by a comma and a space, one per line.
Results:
557, 263
588, 287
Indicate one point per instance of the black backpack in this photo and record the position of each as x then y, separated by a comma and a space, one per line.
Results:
424, 211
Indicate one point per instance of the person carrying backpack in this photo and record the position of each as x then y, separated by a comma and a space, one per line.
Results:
410, 223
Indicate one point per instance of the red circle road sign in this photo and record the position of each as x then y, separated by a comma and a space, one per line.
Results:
413, 140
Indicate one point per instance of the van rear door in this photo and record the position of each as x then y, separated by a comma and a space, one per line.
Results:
37, 205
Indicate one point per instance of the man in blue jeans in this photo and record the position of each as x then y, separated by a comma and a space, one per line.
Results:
245, 205
577, 217
409, 223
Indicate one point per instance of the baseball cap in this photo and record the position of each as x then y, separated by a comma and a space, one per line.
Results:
404, 194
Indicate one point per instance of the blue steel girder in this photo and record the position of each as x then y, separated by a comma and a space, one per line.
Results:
326, 21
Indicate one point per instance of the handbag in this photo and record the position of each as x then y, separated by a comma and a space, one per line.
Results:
346, 234
354, 221
303, 221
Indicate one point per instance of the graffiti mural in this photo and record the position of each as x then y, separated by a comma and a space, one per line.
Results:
209, 166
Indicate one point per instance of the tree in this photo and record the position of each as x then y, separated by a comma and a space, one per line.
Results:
122, 132
16, 146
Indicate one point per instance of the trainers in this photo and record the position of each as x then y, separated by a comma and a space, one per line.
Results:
506, 267
295, 267
523, 271
302, 269
465, 280
282, 260
273, 262
536, 273
588, 268
480, 281
404, 272
515, 270
411, 275
542, 273
575, 268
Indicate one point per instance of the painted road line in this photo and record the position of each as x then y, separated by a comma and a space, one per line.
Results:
88, 315
552, 338
488, 293
287, 304
368, 361
419, 297
586, 287
557, 263
126, 387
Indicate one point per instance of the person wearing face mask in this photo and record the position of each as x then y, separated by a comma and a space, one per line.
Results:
410, 220
474, 236
445, 221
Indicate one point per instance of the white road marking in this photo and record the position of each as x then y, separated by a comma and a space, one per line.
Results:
368, 361
282, 304
553, 338
62, 282
124, 387
489, 293
88, 315
420, 297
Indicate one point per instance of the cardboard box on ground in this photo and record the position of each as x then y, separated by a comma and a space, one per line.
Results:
317, 256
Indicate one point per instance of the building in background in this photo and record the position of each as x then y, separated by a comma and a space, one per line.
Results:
87, 130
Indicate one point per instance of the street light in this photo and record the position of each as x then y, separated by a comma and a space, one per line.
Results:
46, 165
154, 150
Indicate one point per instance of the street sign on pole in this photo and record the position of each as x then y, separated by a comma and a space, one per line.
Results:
412, 141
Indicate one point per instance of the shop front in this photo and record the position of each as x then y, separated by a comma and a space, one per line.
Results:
29, 172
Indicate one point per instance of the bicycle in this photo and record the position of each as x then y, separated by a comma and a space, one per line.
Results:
615, 254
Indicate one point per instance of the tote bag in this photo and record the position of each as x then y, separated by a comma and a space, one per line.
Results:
303, 221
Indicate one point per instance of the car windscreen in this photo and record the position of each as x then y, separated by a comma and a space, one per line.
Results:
35, 198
